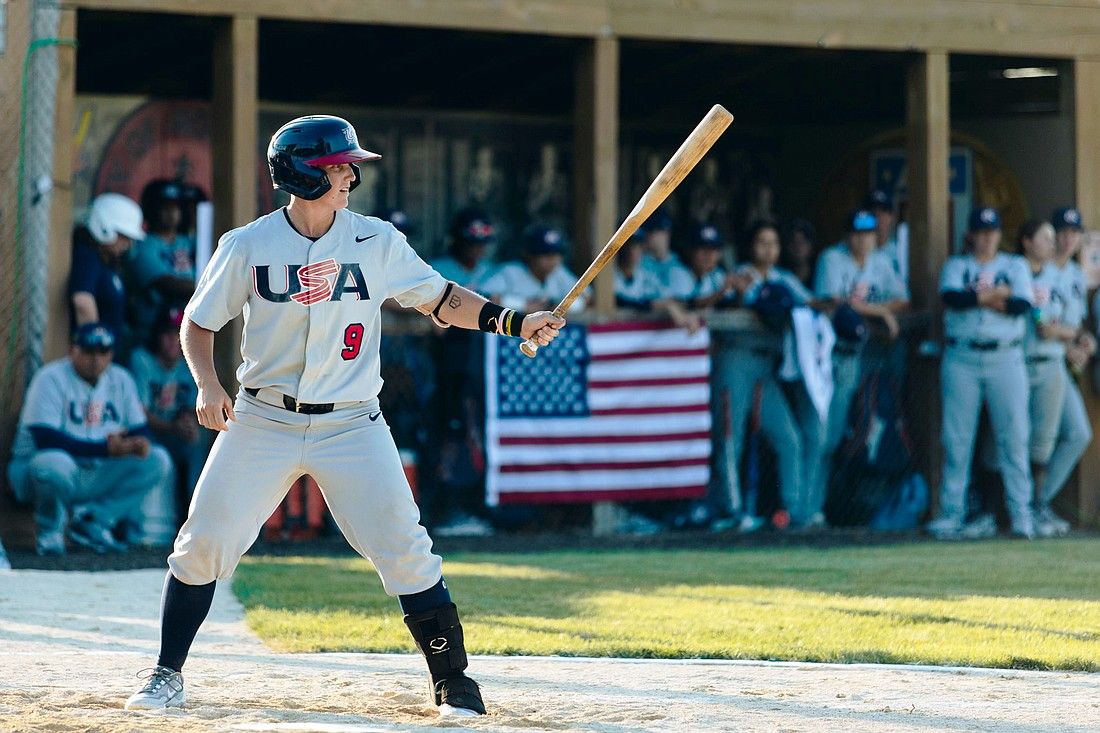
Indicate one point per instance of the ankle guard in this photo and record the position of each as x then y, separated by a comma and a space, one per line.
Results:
438, 636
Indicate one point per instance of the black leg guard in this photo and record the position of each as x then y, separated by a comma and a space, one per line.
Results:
438, 636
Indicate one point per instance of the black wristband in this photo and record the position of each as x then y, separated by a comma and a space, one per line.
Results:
489, 318
513, 323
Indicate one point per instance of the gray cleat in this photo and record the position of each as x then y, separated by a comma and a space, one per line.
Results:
163, 689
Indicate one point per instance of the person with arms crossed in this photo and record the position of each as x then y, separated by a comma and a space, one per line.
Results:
310, 279
82, 448
987, 299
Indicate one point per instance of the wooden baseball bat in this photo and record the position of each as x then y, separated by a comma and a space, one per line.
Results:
676, 169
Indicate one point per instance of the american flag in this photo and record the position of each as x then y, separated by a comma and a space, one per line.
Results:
607, 412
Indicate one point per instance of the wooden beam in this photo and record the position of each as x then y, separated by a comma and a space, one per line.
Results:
236, 73
56, 341
1086, 94
1058, 28
929, 134
596, 159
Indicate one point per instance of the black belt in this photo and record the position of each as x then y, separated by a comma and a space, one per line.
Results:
305, 408
984, 345
1040, 359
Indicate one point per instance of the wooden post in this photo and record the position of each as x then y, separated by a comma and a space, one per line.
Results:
1086, 94
929, 132
596, 159
56, 341
236, 70
595, 165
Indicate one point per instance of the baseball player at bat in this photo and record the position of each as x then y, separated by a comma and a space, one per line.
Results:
310, 279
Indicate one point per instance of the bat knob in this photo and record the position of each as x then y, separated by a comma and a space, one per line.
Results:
529, 348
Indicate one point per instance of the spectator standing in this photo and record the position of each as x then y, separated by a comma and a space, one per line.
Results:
987, 299
1074, 432
800, 251
855, 276
168, 391
541, 280
472, 233
96, 291
83, 448
659, 258
161, 268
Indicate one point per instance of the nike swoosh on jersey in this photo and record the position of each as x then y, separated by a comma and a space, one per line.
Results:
374, 417
363, 239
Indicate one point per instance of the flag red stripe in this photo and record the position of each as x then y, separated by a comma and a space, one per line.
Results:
670, 353
595, 439
584, 497
651, 410
658, 382
608, 466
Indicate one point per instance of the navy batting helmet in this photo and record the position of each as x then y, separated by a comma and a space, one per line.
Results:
300, 147
157, 192
773, 305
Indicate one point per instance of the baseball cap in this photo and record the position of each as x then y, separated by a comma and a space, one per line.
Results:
984, 217
658, 221
395, 216
473, 226
862, 220
1067, 218
94, 337
773, 305
169, 319
849, 324
879, 199
540, 239
706, 235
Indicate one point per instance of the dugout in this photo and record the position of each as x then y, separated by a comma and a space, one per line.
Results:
603, 89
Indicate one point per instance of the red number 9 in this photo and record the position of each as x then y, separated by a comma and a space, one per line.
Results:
353, 341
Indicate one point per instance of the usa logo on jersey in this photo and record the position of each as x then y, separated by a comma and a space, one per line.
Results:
316, 282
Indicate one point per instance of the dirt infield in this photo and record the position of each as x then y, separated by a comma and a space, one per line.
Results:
70, 644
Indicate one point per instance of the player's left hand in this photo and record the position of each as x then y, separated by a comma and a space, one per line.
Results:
542, 326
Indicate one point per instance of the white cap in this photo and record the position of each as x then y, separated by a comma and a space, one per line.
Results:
112, 214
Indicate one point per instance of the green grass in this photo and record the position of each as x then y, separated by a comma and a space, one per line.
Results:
1003, 604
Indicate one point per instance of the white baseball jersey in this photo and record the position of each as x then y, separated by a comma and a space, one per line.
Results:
642, 288
983, 324
59, 398
514, 284
1073, 288
311, 308
1050, 307
839, 276
667, 270
686, 286
801, 295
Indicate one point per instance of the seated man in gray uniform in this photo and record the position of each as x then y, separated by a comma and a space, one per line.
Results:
83, 449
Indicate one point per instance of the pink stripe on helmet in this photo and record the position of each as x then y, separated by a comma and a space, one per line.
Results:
356, 155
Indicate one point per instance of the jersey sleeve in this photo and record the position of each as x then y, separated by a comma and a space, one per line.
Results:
223, 289
680, 284
146, 264
134, 411
1022, 286
828, 282
951, 276
85, 271
140, 369
495, 284
893, 286
801, 294
44, 403
409, 279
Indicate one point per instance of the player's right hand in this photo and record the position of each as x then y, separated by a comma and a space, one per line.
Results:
213, 407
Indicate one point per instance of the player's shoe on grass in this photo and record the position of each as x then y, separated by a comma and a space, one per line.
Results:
464, 525
983, 527
945, 528
458, 697
1049, 524
87, 532
163, 689
50, 544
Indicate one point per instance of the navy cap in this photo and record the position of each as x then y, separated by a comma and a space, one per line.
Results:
773, 305
473, 226
94, 337
984, 217
397, 217
706, 235
1067, 218
848, 324
879, 199
658, 221
540, 239
862, 220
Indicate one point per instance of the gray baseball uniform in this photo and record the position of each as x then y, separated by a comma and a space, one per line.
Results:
514, 284
984, 364
311, 334
1045, 364
1074, 431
